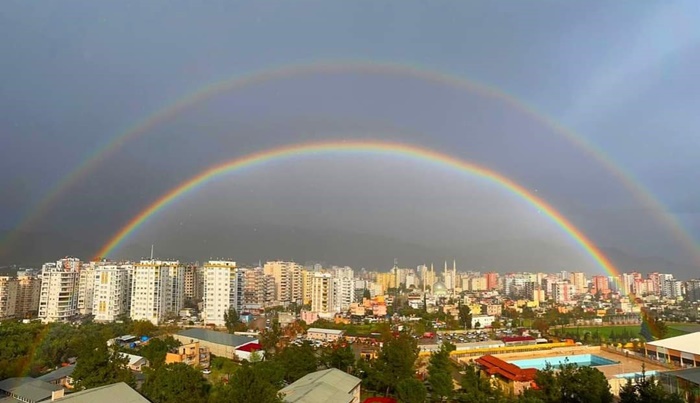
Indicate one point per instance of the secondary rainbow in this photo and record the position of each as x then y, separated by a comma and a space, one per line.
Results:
365, 147
336, 67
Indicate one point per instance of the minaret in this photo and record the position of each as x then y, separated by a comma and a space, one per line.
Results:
454, 277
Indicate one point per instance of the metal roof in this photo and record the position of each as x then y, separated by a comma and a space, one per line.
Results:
217, 337
687, 343
328, 331
29, 388
62, 372
689, 374
330, 385
114, 393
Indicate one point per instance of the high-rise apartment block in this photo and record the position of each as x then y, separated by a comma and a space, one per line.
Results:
58, 300
344, 284
8, 297
192, 281
223, 290
112, 291
322, 293
28, 292
288, 280
157, 290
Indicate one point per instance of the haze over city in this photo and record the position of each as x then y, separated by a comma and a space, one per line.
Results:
594, 117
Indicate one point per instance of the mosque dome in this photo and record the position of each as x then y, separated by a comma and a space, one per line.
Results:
439, 288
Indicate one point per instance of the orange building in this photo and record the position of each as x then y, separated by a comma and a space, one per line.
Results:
190, 354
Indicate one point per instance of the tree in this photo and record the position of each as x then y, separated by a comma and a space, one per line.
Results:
270, 338
439, 372
541, 325
396, 361
99, 365
156, 350
475, 389
571, 384
465, 316
233, 321
496, 324
143, 328
177, 382
297, 361
645, 389
250, 383
337, 356
411, 390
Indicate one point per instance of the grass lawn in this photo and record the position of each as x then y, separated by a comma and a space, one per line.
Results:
674, 329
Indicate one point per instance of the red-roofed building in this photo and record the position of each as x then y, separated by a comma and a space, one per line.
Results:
510, 376
243, 352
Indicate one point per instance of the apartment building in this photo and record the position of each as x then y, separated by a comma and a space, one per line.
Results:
112, 291
344, 284
288, 280
58, 299
223, 290
28, 292
156, 290
322, 293
192, 289
8, 297
86, 288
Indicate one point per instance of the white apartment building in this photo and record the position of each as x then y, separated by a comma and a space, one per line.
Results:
344, 292
288, 280
156, 290
223, 290
322, 293
8, 297
58, 299
112, 291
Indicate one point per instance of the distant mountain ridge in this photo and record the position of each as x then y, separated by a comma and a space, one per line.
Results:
248, 244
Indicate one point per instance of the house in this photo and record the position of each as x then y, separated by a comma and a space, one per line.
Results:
191, 354
136, 362
29, 390
60, 377
330, 386
315, 333
218, 343
114, 393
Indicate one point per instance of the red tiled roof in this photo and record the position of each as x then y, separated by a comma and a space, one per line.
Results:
250, 347
496, 366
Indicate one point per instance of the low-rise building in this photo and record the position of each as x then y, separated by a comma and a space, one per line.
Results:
685, 382
324, 334
510, 377
114, 393
136, 362
29, 390
330, 386
61, 376
191, 354
482, 321
682, 350
219, 344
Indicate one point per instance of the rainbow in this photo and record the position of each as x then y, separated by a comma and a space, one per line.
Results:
40, 209
365, 147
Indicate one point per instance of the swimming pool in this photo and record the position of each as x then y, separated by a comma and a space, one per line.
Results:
582, 360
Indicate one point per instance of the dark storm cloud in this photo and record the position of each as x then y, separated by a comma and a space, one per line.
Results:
75, 75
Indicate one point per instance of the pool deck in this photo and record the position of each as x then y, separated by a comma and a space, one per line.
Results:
625, 365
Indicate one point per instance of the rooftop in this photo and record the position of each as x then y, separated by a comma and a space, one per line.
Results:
57, 374
250, 347
29, 388
494, 365
330, 385
687, 343
689, 374
114, 393
329, 331
212, 336
133, 359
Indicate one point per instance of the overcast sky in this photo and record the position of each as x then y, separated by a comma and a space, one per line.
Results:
622, 75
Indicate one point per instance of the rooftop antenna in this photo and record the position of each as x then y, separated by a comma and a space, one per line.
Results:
151, 251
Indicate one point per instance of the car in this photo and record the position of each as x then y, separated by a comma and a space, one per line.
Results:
206, 371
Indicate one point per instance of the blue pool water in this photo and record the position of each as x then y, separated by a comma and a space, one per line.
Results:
582, 360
